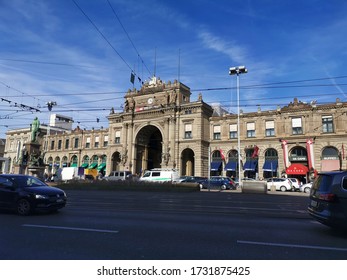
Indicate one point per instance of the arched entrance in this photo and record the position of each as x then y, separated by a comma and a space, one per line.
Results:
299, 164
115, 162
188, 165
216, 163
232, 166
148, 148
271, 163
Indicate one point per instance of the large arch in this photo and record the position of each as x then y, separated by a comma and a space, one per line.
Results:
115, 162
148, 149
231, 166
187, 162
216, 163
270, 167
299, 164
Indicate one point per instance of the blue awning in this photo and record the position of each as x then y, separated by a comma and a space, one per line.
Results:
270, 165
250, 165
215, 165
231, 166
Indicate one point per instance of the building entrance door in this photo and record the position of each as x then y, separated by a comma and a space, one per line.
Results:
149, 149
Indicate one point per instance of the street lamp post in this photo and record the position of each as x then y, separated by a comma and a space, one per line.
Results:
237, 71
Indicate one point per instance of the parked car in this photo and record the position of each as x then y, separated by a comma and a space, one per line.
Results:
223, 183
328, 199
296, 184
118, 176
281, 184
26, 194
160, 175
190, 179
306, 188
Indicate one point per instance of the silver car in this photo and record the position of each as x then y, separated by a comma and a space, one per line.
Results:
280, 184
306, 188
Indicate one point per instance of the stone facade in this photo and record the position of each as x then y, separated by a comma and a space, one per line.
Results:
161, 127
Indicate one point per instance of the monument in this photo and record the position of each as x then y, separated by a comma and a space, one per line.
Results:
31, 159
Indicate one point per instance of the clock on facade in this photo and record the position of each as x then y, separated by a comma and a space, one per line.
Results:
150, 100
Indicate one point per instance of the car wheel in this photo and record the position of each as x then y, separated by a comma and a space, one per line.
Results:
223, 187
23, 207
307, 190
283, 189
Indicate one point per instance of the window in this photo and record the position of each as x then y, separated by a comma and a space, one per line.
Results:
88, 142
233, 131
216, 132
59, 144
188, 131
117, 138
96, 143
52, 145
76, 143
269, 128
327, 124
67, 143
105, 140
296, 126
251, 130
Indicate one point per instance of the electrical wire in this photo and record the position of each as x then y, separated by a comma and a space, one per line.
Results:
102, 35
132, 43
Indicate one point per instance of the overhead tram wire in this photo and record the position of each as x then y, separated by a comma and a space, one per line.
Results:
132, 43
279, 83
103, 36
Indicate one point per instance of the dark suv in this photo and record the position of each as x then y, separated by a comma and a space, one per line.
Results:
328, 199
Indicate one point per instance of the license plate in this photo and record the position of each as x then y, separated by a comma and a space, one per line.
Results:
314, 203
59, 200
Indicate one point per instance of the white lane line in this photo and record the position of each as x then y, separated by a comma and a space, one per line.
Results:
71, 228
291, 245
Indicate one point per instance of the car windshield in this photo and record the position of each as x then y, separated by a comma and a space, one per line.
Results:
26, 181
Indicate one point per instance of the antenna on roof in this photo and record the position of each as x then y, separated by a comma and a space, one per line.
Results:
155, 61
179, 65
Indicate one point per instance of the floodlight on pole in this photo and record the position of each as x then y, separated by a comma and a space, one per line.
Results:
237, 71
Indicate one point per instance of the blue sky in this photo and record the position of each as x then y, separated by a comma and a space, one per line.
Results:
53, 50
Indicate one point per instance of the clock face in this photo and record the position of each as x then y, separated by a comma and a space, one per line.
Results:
150, 100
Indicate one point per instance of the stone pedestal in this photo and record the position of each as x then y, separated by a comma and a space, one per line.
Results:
36, 171
31, 161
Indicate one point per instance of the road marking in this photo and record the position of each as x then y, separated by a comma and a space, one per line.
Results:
291, 245
71, 228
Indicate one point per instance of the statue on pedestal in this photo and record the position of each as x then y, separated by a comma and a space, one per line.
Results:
35, 129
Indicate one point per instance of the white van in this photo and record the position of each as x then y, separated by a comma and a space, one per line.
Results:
160, 175
119, 176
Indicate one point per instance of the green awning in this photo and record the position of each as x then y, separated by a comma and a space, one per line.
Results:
93, 165
84, 165
101, 166
73, 165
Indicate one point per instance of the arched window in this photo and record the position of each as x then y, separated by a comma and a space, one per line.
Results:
330, 153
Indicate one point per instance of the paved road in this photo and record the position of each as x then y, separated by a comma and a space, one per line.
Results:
203, 225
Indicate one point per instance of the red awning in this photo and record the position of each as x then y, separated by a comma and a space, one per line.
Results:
297, 169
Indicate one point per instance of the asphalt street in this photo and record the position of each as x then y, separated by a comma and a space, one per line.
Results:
111, 225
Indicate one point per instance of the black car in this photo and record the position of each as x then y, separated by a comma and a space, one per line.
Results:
328, 199
190, 179
223, 183
25, 194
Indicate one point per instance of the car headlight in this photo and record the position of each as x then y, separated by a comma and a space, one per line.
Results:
41, 196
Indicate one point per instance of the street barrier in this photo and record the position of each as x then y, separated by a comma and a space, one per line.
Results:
254, 187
